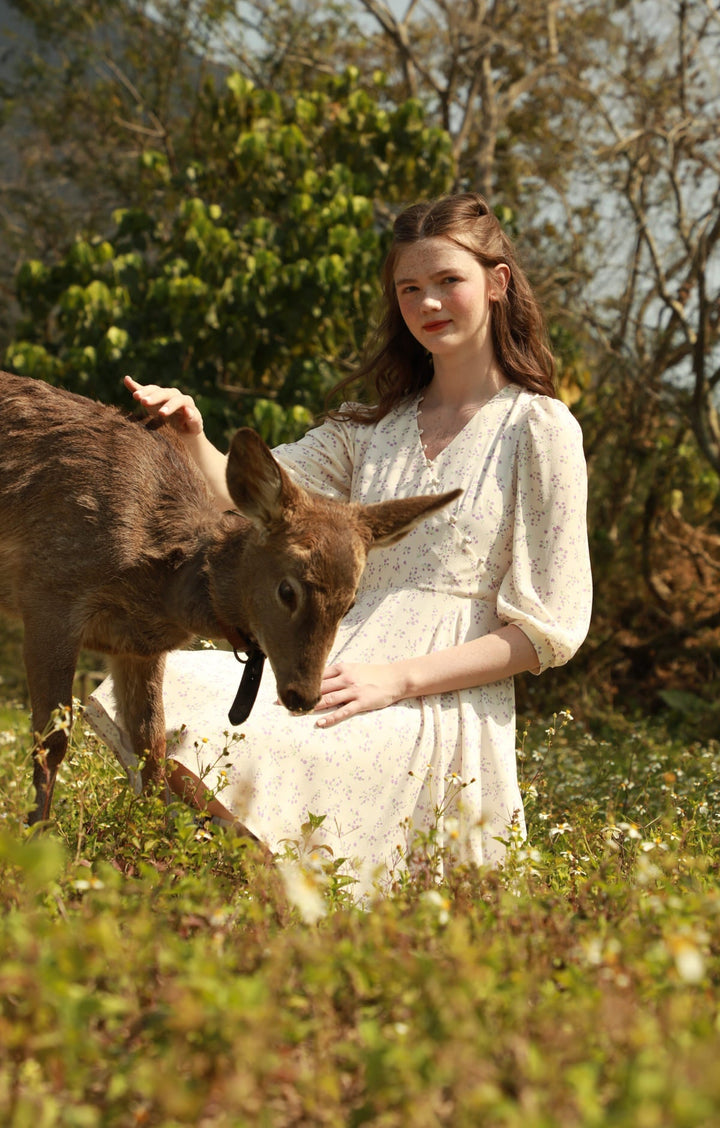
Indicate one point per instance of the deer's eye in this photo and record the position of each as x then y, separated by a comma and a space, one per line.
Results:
286, 594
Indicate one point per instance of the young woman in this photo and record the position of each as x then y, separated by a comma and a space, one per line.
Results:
418, 695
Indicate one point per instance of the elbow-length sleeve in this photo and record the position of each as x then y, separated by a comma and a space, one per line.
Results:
547, 591
323, 460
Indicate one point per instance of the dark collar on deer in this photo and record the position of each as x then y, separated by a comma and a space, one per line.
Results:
249, 686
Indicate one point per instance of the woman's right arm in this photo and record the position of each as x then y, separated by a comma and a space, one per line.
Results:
182, 414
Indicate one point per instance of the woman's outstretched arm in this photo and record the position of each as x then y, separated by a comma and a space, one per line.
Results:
182, 414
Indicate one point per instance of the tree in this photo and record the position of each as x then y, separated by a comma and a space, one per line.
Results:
89, 87
499, 77
252, 276
662, 164
649, 307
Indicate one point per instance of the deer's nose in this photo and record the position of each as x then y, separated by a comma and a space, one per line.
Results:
298, 702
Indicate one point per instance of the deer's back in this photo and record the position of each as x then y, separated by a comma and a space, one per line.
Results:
85, 491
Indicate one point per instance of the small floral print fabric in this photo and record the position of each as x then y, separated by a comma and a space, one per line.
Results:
511, 549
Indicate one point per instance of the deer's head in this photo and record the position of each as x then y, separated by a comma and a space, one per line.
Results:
299, 570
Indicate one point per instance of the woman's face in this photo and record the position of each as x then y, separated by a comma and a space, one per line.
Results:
444, 296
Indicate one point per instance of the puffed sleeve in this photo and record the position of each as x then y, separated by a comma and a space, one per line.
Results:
547, 591
323, 460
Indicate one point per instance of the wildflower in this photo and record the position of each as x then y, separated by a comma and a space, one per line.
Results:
528, 857
302, 890
646, 871
83, 884
452, 828
630, 830
61, 720
593, 948
651, 844
616, 833
689, 960
559, 828
575, 868
435, 899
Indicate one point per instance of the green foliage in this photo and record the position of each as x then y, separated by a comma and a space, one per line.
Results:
252, 277
155, 971
653, 521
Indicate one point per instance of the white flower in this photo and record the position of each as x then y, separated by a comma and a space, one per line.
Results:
632, 832
302, 890
452, 828
689, 960
560, 828
646, 871
61, 720
594, 952
434, 898
83, 884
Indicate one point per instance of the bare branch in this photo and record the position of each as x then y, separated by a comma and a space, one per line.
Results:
397, 31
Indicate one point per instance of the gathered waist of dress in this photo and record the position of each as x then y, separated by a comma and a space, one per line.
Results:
459, 610
441, 587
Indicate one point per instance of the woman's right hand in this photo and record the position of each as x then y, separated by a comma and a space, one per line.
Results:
181, 414
168, 403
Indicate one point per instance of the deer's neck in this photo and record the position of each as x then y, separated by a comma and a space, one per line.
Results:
194, 587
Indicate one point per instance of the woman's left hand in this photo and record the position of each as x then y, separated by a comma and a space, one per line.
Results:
348, 688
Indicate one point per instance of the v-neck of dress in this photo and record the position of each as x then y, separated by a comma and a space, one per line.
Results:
430, 462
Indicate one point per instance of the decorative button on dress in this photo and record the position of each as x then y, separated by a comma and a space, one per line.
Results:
511, 549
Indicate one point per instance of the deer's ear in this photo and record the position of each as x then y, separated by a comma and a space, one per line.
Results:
389, 521
257, 484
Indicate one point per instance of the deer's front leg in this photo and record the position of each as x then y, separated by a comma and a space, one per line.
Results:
138, 692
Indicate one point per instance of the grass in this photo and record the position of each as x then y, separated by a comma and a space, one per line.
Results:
155, 972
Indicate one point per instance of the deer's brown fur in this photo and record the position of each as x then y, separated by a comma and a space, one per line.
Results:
110, 540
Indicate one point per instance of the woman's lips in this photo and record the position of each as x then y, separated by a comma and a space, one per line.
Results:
433, 326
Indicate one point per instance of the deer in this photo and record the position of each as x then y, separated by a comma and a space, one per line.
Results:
111, 541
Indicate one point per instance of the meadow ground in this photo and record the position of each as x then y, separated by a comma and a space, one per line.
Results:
157, 972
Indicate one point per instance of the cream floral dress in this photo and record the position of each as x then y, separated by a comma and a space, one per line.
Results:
511, 549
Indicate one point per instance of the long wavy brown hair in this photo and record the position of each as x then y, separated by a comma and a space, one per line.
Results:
396, 366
